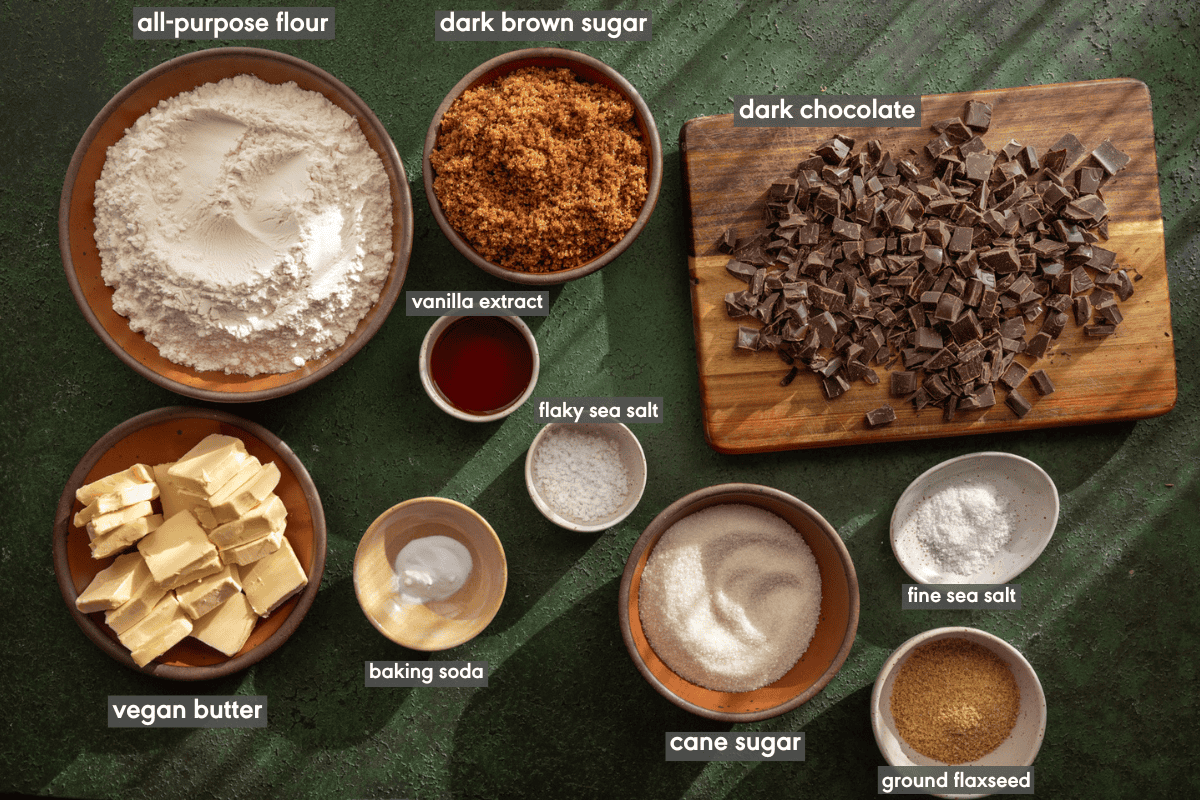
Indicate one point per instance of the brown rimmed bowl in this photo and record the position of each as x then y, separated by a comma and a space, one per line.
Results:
77, 212
164, 435
830, 644
590, 69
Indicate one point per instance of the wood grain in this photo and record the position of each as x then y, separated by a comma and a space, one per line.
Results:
1129, 375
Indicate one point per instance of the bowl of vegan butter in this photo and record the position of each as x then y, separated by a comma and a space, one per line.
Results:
235, 224
189, 543
430, 573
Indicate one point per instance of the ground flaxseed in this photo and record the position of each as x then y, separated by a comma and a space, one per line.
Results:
954, 701
540, 171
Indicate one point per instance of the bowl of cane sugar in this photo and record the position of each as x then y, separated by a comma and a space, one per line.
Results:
739, 603
585, 477
979, 518
430, 573
542, 165
955, 696
235, 224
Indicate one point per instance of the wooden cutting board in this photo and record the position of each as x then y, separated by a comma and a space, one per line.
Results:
1129, 375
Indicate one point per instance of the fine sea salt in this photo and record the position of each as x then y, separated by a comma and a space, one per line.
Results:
957, 530
579, 474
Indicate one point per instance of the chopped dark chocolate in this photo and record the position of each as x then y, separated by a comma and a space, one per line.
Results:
1017, 402
884, 415
1110, 158
1041, 382
977, 115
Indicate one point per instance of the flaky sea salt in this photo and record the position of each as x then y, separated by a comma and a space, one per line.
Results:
580, 474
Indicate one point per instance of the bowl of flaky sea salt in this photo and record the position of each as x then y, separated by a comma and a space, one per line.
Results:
235, 224
981, 518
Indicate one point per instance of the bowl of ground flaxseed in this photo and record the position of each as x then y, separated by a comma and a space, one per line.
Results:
958, 696
542, 165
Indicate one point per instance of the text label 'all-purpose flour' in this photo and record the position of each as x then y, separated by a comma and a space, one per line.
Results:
245, 226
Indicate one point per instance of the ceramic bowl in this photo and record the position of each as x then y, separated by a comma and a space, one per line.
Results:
1018, 750
1030, 492
76, 219
437, 625
831, 642
633, 458
164, 435
590, 69
440, 400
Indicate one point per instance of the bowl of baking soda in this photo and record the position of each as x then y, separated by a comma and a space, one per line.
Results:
739, 603
585, 477
430, 573
235, 224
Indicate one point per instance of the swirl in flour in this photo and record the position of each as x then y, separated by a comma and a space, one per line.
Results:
245, 226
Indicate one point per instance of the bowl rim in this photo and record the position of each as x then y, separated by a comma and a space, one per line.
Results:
546, 56
427, 383
430, 500
655, 530
981, 637
402, 215
561, 521
997, 455
94, 631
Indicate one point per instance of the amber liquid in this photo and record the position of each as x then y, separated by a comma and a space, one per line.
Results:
481, 364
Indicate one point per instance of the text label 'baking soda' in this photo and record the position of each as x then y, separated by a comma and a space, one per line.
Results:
735, 747
538, 26
407, 674
810, 111
175, 711
533, 303
957, 780
960, 597
160, 22
598, 409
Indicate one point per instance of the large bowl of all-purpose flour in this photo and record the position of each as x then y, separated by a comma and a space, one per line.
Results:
236, 224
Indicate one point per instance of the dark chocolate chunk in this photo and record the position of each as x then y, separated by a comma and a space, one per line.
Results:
1110, 158
904, 383
1017, 402
977, 115
1073, 148
789, 377
883, 415
1041, 382
1013, 376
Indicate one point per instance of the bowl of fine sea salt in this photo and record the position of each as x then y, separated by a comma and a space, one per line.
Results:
979, 518
585, 477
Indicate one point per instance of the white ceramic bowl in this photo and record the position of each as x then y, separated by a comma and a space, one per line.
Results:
1031, 495
440, 400
1018, 750
633, 458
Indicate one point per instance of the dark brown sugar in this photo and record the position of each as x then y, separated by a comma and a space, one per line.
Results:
954, 701
539, 170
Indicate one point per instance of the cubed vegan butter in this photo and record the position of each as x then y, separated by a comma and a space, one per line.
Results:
167, 637
229, 505
253, 550
111, 587
138, 473
267, 516
227, 628
270, 581
207, 466
202, 596
117, 540
102, 524
176, 548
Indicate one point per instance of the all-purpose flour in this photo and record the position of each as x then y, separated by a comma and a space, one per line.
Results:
245, 226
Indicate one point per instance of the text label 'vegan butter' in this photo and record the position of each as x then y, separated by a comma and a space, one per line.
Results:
174, 711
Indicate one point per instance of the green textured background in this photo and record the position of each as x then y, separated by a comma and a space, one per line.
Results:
1109, 617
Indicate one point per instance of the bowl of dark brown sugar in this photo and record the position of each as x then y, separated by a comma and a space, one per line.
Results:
542, 165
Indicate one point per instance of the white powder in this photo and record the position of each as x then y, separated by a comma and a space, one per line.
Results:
245, 226
957, 530
580, 475
730, 597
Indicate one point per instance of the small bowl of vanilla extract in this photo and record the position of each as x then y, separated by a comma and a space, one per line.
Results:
479, 369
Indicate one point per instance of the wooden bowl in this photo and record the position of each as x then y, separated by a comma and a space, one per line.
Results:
155, 438
77, 212
590, 69
436, 625
1018, 750
830, 644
